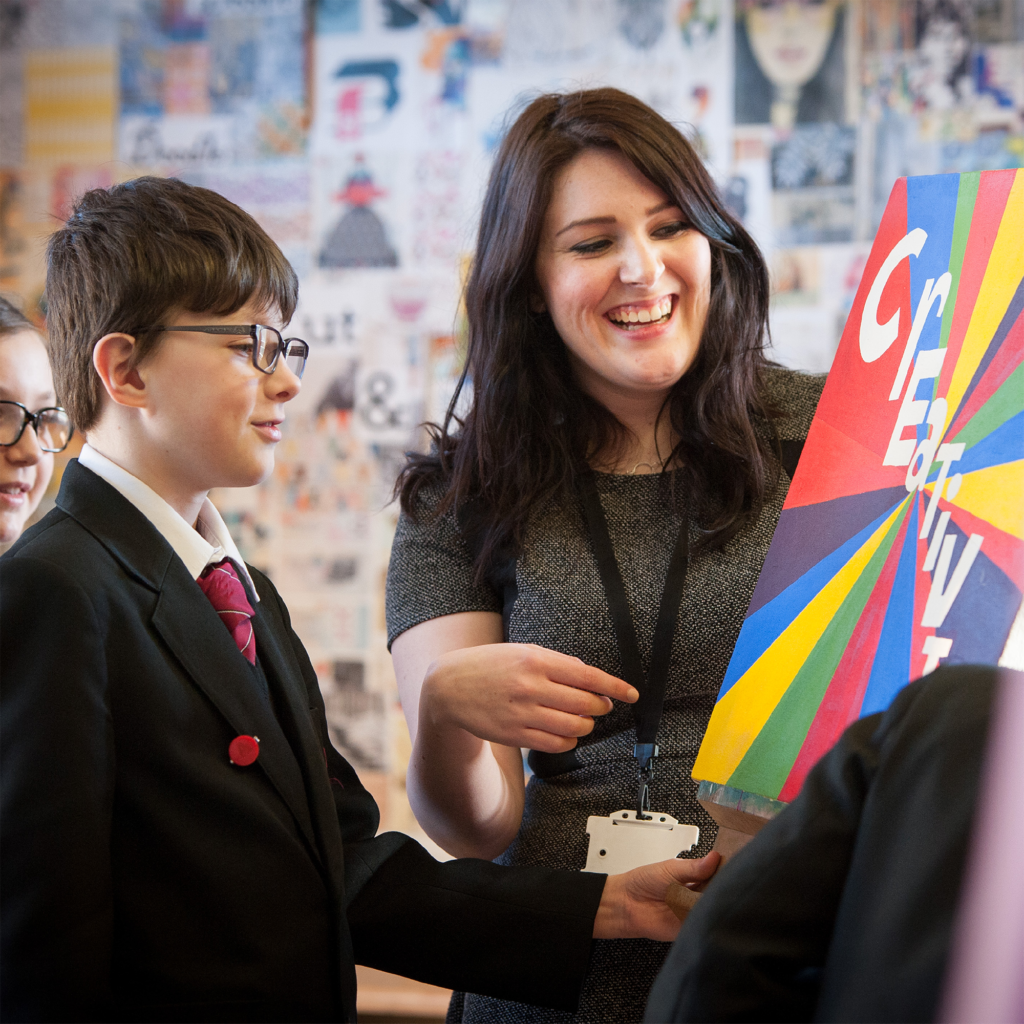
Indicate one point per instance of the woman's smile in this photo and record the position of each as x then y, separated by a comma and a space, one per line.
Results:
642, 319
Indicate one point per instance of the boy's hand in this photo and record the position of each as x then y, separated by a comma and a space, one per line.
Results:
633, 904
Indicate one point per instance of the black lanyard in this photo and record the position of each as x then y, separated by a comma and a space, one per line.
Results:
651, 687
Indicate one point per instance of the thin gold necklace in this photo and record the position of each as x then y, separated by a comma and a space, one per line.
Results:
659, 468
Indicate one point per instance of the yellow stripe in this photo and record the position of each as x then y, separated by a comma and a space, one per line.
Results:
741, 714
81, 153
1002, 275
69, 60
995, 494
71, 108
70, 104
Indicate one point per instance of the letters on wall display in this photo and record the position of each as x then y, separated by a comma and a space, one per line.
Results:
901, 543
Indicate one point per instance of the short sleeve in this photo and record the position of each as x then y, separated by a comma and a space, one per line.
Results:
431, 571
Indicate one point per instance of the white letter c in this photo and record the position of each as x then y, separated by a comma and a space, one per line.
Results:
875, 338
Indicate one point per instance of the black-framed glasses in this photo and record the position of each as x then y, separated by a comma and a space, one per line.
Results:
267, 344
52, 425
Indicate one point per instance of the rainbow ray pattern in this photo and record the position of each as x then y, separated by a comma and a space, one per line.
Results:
901, 543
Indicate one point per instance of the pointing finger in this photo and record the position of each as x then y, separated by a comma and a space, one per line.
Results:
573, 672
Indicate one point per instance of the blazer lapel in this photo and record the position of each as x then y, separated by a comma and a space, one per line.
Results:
190, 627
292, 703
194, 632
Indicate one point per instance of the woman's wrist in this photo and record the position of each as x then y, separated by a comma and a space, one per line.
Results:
460, 793
438, 721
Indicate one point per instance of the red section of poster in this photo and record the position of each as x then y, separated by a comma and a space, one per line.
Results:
852, 382
834, 465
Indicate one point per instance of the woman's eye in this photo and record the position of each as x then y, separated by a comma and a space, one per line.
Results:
591, 248
677, 227
243, 348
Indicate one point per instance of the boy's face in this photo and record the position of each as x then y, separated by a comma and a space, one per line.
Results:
214, 416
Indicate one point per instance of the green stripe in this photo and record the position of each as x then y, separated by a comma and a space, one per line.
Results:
1003, 405
767, 764
965, 199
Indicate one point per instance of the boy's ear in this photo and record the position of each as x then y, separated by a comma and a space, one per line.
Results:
112, 360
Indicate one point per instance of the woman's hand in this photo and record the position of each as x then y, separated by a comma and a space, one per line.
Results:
471, 702
519, 695
633, 904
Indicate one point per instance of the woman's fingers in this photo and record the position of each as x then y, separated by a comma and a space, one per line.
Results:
569, 700
558, 723
572, 672
535, 739
519, 695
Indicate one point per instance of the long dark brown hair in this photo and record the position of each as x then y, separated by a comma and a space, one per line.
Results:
530, 428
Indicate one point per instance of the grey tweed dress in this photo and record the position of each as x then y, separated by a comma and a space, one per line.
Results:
556, 600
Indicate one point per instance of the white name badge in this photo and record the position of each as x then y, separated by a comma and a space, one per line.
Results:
620, 842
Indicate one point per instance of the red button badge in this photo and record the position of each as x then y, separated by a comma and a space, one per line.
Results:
243, 750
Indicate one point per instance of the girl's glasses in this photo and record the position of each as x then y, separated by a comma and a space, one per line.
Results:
52, 426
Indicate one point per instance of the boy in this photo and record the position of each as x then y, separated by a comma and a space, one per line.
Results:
180, 839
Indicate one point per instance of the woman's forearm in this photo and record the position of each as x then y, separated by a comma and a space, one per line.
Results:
472, 701
467, 793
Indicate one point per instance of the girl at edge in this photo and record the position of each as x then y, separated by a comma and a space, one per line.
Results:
27, 446
617, 318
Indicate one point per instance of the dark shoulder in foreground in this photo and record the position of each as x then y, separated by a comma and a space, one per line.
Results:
58, 539
795, 394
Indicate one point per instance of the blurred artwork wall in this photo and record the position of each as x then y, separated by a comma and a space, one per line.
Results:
359, 133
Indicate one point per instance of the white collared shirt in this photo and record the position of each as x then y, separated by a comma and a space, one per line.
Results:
207, 543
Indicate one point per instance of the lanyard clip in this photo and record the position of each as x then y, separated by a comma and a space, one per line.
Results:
645, 753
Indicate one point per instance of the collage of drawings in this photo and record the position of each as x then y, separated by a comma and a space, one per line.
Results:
359, 134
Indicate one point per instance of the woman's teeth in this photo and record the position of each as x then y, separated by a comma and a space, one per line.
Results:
648, 315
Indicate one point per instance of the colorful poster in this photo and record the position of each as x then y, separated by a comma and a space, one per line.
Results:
211, 83
69, 100
790, 63
901, 543
275, 192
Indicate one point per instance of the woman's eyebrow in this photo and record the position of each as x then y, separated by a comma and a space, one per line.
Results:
586, 220
667, 205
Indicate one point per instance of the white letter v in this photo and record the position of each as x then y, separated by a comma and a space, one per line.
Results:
941, 597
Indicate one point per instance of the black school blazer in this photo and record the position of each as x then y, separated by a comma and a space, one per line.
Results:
145, 877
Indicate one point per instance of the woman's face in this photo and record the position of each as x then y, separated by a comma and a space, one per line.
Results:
626, 280
25, 469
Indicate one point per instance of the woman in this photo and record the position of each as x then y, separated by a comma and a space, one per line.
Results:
32, 427
616, 318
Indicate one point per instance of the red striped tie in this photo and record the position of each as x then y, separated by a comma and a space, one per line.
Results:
220, 583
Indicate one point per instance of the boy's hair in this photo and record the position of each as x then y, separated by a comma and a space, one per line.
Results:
130, 254
12, 320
